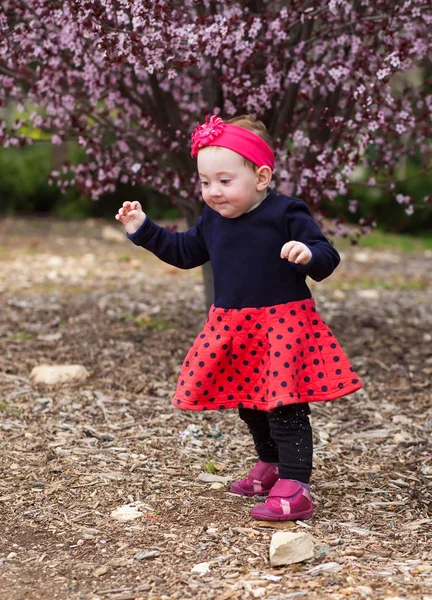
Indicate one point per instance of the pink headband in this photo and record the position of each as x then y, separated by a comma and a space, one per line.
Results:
214, 132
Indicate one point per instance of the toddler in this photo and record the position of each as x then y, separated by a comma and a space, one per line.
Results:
264, 350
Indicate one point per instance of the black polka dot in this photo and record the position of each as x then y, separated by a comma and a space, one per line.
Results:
219, 319
338, 371
286, 365
239, 387
206, 393
256, 389
290, 329
245, 362
293, 312
340, 385
336, 358
212, 355
333, 345
274, 394
221, 389
253, 352
298, 340
307, 379
240, 405
258, 326
182, 382
250, 336
284, 384
202, 335
310, 392
230, 378
256, 370
316, 361
230, 397
239, 328
224, 346
191, 373
198, 384
178, 401
288, 346
315, 322
280, 403
201, 363
221, 407
247, 379
272, 311
226, 327
324, 388
279, 336
301, 323
248, 317
282, 320
320, 375
211, 399
354, 381
242, 346
187, 393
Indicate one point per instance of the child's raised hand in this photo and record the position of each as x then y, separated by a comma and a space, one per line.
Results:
296, 252
131, 215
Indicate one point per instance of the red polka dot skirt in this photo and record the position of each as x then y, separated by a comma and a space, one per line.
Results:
262, 358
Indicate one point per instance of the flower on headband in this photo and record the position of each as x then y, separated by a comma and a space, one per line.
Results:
206, 133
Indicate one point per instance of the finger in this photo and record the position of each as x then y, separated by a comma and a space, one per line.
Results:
294, 253
136, 205
126, 204
286, 248
303, 256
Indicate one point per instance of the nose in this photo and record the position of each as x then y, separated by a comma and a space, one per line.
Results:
215, 191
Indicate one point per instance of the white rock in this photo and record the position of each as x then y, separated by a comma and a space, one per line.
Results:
368, 294
287, 548
201, 568
217, 485
111, 234
361, 257
53, 374
330, 567
211, 478
129, 512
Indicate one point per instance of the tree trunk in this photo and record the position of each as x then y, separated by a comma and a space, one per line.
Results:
207, 272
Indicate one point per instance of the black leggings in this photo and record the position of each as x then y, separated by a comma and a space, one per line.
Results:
283, 436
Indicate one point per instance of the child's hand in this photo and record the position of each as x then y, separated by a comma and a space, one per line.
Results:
131, 215
296, 252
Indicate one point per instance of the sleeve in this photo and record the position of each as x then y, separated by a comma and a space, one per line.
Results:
301, 227
184, 250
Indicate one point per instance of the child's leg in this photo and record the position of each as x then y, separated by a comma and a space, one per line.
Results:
291, 430
289, 499
264, 475
258, 425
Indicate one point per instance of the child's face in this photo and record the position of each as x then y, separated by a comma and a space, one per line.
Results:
228, 186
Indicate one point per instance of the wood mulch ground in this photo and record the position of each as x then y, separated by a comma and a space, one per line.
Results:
72, 454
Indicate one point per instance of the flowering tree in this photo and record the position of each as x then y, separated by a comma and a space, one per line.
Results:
340, 84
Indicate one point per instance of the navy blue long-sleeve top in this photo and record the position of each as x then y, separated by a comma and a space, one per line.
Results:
244, 252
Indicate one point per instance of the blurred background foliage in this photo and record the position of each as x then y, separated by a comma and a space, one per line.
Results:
25, 189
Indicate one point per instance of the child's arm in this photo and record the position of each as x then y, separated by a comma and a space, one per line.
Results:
308, 247
183, 250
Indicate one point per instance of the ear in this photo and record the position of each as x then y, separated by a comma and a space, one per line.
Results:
264, 176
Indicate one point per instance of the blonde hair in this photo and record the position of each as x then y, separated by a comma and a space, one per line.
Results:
251, 123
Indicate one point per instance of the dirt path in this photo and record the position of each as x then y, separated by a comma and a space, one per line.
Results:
71, 455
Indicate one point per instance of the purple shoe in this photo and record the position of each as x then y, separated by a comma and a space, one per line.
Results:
287, 501
259, 480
